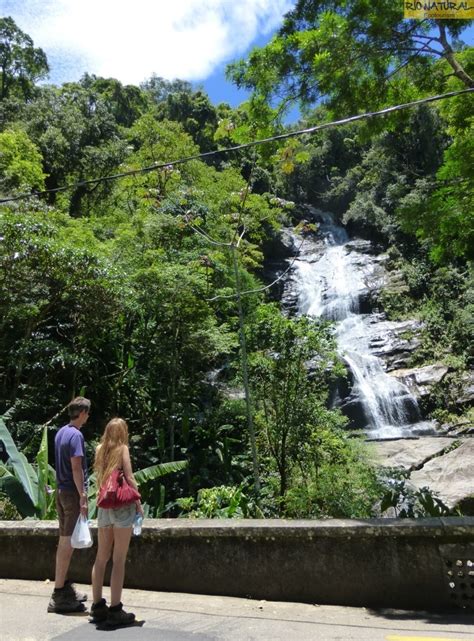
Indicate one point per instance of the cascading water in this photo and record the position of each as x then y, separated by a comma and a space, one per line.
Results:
330, 287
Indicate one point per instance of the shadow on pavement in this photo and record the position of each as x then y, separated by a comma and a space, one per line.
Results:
438, 617
103, 627
82, 614
131, 632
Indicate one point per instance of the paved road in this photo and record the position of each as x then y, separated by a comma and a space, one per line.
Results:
190, 617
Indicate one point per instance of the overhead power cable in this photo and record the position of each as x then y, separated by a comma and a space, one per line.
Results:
261, 289
247, 145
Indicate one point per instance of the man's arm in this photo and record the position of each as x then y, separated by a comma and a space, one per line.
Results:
78, 476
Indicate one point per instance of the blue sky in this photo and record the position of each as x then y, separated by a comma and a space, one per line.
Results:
188, 39
219, 88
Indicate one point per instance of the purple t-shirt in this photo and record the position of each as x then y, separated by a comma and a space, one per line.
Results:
69, 442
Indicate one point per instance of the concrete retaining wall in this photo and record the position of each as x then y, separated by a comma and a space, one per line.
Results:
397, 563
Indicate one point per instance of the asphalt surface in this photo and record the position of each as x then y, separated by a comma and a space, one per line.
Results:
165, 616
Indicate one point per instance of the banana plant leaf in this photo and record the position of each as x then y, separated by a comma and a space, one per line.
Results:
50, 491
157, 471
13, 489
43, 474
22, 470
92, 497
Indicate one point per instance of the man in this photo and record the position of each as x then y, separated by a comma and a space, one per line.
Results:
71, 500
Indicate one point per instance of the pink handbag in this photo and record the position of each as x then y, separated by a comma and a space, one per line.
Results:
116, 492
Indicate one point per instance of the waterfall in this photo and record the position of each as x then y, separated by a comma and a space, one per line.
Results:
330, 286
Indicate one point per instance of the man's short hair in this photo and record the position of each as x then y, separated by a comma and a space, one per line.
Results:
78, 405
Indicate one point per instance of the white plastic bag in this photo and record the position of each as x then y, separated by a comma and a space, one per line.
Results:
81, 537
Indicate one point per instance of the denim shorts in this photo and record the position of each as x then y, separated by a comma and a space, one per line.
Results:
119, 517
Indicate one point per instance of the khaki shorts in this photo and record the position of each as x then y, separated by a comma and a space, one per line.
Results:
120, 517
67, 504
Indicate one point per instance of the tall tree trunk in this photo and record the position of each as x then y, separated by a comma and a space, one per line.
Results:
245, 376
283, 468
459, 71
172, 392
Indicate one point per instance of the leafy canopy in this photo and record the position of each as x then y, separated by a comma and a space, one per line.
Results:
20, 162
21, 63
347, 53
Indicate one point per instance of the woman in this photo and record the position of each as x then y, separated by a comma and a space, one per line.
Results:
114, 526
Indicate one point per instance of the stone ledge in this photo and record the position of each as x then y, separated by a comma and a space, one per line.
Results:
447, 526
398, 563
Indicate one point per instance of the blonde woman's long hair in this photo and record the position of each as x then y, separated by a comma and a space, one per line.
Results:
108, 455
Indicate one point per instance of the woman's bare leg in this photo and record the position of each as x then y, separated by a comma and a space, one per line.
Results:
122, 537
104, 550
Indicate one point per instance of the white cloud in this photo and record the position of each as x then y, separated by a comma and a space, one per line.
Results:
130, 40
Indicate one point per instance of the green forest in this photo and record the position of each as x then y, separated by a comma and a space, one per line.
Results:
146, 291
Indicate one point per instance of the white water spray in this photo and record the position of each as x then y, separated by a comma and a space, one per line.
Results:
331, 288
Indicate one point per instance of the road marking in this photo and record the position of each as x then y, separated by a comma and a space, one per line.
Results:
398, 638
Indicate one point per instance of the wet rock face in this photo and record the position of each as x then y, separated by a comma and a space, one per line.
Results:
345, 398
393, 341
279, 251
281, 246
420, 380
367, 247
466, 396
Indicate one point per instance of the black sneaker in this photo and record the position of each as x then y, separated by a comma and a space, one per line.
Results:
79, 596
118, 617
99, 612
63, 602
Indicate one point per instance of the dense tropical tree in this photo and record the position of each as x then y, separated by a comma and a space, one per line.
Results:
196, 114
60, 305
79, 139
159, 88
125, 102
440, 209
290, 402
21, 63
349, 53
20, 162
